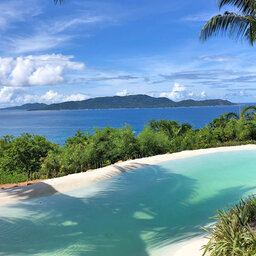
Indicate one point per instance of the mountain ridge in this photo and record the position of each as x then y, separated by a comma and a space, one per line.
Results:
119, 102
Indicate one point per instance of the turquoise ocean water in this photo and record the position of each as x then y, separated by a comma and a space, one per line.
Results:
57, 126
132, 213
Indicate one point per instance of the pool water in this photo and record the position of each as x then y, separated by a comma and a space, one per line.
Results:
131, 214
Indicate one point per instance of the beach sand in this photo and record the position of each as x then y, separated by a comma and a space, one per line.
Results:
67, 183
78, 180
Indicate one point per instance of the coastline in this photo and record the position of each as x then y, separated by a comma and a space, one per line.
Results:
81, 109
78, 180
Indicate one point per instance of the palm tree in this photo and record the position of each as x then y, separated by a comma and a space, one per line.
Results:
230, 115
246, 113
240, 24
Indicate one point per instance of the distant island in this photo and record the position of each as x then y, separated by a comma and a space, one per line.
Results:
119, 102
29, 106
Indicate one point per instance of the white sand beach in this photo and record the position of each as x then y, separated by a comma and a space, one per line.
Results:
190, 247
74, 181
64, 184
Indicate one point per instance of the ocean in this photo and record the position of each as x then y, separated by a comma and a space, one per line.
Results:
57, 126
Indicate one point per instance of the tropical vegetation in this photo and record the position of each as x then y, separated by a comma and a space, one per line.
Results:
238, 25
234, 233
31, 157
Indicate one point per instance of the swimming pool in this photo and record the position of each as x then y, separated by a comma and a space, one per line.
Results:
130, 214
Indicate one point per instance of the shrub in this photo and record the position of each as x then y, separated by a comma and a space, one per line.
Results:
21, 157
153, 143
233, 234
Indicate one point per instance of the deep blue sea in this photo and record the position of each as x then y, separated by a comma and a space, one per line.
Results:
57, 126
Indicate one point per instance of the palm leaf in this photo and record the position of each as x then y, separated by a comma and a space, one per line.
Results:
58, 1
237, 26
244, 6
247, 109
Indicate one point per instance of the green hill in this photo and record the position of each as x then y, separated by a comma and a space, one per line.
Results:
29, 106
117, 102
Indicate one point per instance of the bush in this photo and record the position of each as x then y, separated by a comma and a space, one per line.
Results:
233, 233
153, 143
21, 157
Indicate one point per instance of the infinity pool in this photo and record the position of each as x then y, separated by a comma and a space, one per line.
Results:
131, 214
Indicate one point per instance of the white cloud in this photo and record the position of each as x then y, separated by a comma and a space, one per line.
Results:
36, 70
76, 97
34, 43
217, 58
122, 93
180, 92
18, 96
47, 75
13, 11
8, 94
203, 94
53, 97
63, 25
51, 34
199, 17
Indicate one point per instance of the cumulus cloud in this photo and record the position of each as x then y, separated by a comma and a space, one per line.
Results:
19, 96
203, 94
76, 97
180, 92
36, 70
53, 97
122, 93
8, 94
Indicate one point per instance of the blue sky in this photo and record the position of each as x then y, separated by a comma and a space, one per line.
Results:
85, 49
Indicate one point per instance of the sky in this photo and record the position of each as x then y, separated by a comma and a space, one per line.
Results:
84, 49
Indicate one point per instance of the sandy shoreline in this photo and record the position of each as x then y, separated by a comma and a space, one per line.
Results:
74, 181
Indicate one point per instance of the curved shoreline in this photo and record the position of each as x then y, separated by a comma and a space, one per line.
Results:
74, 181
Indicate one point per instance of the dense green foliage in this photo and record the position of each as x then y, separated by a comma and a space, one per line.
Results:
239, 24
20, 158
31, 156
116, 102
234, 233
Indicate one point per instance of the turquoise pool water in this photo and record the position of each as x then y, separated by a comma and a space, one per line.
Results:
130, 214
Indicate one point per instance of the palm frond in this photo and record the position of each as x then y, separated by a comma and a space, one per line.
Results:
237, 26
246, 110
232, 115
244, 6
58, 1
